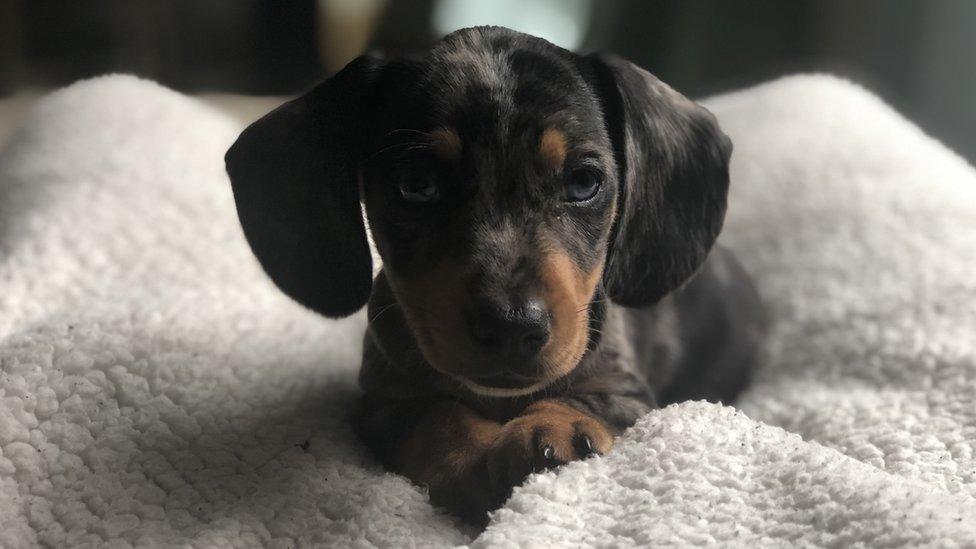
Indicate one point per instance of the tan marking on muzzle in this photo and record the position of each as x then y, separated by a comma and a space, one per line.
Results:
552, 148
568, 291
432, 304
446, 144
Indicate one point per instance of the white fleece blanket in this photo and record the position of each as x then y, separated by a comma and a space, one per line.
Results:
156, 389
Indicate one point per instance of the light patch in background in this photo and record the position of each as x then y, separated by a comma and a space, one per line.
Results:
562, 22
345, 28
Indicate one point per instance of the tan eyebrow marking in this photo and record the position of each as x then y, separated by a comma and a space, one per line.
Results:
446, 144
552, 148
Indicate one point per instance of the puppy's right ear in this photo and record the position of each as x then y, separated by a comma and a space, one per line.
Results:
294, 175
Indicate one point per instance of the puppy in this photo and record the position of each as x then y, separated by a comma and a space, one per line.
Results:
545, 221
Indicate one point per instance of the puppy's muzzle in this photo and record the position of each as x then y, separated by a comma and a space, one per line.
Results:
511, 337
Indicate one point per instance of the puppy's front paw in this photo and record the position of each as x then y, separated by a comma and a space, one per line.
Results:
548, 435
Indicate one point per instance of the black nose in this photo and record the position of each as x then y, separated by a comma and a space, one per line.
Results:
513, 332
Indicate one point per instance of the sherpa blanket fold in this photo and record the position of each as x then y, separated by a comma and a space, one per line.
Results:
156, 389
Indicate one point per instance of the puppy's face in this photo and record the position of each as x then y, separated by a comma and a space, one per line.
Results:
491, 192
510, 186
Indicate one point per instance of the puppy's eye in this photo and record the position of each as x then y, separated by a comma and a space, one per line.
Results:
418, 187
582, 184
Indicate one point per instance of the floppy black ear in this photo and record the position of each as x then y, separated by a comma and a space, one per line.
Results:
673, 170
294, 175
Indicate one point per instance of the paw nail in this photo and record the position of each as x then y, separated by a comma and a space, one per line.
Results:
548, 452
585, 446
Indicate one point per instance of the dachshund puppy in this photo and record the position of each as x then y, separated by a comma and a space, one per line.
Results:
545, 221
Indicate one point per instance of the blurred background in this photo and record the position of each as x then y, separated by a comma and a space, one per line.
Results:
917, 54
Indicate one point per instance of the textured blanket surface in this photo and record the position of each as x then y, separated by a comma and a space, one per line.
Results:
156, 389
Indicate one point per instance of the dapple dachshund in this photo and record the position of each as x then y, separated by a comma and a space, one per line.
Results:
546, 222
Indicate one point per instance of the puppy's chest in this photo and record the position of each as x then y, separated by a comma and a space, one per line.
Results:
615, 365
501, 410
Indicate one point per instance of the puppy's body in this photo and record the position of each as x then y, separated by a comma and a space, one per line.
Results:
545, 221
698, 343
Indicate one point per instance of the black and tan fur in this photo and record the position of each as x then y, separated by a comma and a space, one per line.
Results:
619, 301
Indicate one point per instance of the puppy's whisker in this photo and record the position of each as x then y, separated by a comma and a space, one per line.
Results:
410, 145
406, 130
381, 311
589, 304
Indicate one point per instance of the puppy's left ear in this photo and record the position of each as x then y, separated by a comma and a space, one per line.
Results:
673, 163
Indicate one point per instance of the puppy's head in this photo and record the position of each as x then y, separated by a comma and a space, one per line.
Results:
510, 186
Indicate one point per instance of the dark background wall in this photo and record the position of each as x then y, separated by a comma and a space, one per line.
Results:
917, 54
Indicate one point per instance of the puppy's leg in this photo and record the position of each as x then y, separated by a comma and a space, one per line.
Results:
468, 463
581, 422
615, 396
441, 445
